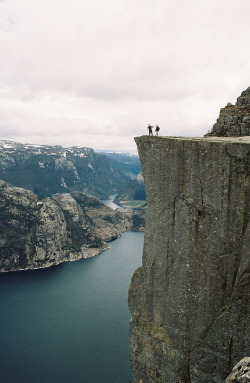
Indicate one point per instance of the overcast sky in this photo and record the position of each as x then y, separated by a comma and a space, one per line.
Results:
97, 72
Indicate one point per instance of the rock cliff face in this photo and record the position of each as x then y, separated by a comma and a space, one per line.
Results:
234, 120
40, 233
189, 301
134, 217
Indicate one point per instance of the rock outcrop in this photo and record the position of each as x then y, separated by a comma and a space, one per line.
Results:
241, 372
189, 301
132, 190
234, 120
134, 217
40, 233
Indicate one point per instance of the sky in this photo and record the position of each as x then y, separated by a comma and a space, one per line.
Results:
95, 73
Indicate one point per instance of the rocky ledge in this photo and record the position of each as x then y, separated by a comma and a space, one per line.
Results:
189, 301
234, 120
40, 233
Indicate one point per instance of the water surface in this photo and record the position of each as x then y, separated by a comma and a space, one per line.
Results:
110, 202
69, 323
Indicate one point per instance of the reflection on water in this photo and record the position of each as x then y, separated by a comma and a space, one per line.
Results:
110, 202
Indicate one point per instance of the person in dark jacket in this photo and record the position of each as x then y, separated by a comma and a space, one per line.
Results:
157, 128
150, 130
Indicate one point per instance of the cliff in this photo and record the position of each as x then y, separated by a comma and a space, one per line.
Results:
189, 301
234, 120
40, 233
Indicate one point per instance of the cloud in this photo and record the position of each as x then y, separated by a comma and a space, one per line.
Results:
98, 72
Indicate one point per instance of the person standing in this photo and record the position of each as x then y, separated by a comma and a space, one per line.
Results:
157, 128
150, 130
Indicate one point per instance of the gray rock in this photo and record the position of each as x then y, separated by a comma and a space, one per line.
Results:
241, 372
235, 115
36, 234
135, 217
189, 301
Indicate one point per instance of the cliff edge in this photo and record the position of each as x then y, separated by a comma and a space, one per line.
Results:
189, 301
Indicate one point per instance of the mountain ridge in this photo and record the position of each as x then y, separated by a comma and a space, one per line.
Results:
37, 233
46, 169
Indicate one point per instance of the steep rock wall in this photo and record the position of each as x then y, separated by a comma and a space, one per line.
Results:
41, 233
189, 301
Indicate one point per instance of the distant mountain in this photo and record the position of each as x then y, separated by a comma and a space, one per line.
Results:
127, 163
132, 190
46, 170
40, 233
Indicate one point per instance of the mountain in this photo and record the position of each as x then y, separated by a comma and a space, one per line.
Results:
131, 190
47, 216
129, 164
40, 233
46, 170
126, 163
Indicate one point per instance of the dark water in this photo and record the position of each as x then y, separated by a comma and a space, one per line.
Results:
69, 323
